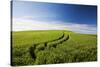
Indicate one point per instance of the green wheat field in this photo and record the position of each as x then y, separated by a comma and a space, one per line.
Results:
52, 47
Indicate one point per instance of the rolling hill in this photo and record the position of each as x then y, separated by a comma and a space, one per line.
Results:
52, 47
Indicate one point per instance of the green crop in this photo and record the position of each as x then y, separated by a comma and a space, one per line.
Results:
52, 47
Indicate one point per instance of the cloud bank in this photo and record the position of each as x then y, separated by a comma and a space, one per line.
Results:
24, 23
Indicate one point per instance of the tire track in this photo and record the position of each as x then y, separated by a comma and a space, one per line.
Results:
52, 40
47, 45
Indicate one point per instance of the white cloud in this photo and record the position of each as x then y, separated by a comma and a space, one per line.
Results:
24, 23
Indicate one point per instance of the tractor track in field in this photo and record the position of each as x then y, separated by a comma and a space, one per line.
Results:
47, 45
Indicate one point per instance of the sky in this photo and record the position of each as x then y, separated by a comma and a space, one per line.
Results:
29, 15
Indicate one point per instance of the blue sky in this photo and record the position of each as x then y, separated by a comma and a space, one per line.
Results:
47, 16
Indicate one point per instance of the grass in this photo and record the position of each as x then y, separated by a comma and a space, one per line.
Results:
52, 47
